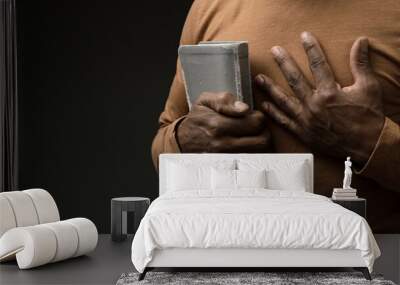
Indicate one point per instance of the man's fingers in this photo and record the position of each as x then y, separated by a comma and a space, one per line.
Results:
319, 66
251, 124
256, 144
280, 117
359, 59
287, 103
292, 72
223, 103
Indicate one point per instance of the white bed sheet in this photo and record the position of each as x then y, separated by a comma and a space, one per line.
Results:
251, 218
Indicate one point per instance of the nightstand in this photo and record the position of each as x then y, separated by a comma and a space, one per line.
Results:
357, 205
119, 208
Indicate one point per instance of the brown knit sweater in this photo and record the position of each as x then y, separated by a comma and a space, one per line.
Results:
336, 24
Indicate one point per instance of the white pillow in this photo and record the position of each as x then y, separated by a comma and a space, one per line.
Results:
281, 175
223, 179
191, 175
236, 179
291, 179
251, 178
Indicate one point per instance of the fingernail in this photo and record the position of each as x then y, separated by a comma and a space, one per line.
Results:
276, 51
305, 35
260, 79
240, 106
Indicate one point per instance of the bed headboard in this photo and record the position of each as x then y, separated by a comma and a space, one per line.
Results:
209, 157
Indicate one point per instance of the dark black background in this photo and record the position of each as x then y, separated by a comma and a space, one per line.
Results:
93, 79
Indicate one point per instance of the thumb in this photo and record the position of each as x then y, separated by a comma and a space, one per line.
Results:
359, 59
223, 103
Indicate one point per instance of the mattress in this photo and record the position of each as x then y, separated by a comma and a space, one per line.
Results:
252, 219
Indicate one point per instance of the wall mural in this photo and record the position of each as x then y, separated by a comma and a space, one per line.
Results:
333, 91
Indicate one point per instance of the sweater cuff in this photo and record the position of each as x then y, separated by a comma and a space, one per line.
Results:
173, 146
386, 152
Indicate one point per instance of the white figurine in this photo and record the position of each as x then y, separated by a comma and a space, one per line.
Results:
347, 174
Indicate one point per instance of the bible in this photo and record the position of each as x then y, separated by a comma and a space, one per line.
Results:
216, 67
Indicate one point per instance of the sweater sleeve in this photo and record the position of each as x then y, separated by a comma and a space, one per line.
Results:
383, 166
176, 106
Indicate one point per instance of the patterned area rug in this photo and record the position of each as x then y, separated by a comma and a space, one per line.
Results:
244, 278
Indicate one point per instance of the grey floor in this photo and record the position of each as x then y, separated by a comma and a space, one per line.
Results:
110, 260
103, 266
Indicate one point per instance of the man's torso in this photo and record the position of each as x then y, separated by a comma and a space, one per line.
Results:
336, 24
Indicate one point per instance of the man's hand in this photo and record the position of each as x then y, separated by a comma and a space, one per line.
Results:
338, 121
219, 123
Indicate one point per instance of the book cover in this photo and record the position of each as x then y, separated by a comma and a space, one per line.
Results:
334, 197
341, 190
216, 67
345, 194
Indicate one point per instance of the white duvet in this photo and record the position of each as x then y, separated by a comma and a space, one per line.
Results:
250, 219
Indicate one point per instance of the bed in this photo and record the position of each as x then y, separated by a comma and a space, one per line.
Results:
246, 211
